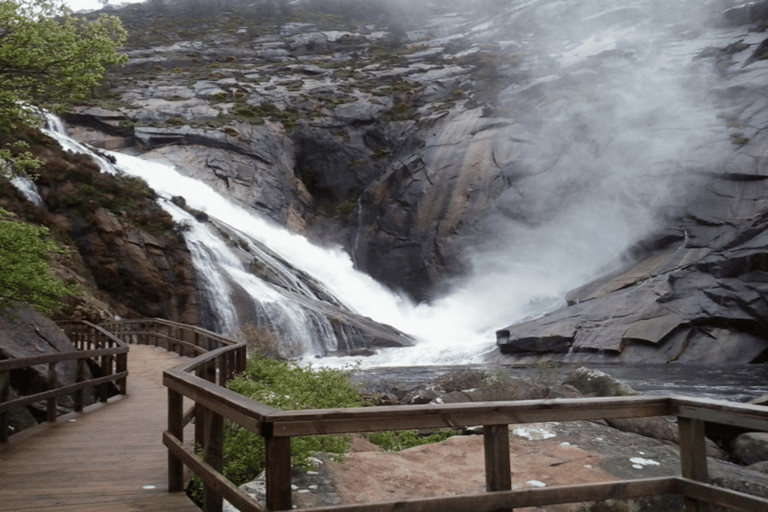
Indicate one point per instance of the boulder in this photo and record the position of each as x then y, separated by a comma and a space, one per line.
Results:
420, 396
26, 333
596, 383
751, 448
503, 390
760, 467
657, 428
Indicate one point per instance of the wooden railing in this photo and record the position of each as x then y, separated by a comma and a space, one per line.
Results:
92, 342
202, 380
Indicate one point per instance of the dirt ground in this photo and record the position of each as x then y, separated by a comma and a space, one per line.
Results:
540, 455
456, 466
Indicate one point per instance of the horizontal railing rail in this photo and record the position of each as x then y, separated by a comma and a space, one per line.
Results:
203, 378
92, 343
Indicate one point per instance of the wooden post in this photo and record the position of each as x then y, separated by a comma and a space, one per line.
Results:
223, 368
122, 366
278, 473
176, 429
693, 458
51, 405
498, 476
5, 390
199, 415
213, 453
106, 369
242, 360
79, 377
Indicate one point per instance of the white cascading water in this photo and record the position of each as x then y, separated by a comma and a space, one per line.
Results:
221, 274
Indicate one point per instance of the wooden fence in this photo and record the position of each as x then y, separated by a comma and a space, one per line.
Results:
92, 342
202, 380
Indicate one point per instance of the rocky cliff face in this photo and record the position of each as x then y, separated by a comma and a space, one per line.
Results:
122, 243
512, 129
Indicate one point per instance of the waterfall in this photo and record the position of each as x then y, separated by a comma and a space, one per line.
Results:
231, 295
27, 187
459, 328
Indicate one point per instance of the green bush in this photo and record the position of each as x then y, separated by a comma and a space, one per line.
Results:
287, 386
396, 441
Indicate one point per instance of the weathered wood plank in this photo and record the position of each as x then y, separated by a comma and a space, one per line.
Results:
723, 497
498, 475
213, 454
232, 406
278, 473
373, 419
176, 429
693, 458
719, 411
15, 364
64, 390
230, 492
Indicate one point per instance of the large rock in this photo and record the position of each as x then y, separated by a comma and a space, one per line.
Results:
26, 333
693, 289
751, 448
596, 383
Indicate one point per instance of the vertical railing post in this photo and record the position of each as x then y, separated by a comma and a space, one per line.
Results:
213, 453
200, 414
693, 458
278, 473
241, 359
106, 369
498, 474
5, 391
79, 377
176, 429
122, 366
223, 361
51, 405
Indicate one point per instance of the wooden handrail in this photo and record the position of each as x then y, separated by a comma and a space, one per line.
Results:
202, 379
92, 343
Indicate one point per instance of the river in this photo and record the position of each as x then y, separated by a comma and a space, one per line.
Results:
734, 383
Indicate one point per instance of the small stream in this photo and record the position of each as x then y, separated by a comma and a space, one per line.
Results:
734, 383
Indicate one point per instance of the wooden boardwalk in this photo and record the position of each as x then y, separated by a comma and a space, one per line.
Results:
110, 458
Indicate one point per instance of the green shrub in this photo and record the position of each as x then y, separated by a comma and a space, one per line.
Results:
395, 441
287, 386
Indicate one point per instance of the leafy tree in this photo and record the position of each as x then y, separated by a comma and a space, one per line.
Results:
49, 59
25, 277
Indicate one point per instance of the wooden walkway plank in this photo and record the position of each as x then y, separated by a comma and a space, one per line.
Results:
111, 458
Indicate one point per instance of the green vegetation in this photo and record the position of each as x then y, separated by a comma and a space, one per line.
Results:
404, 439
739, 139
400, 112
49, 59
288, 386
25, 272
